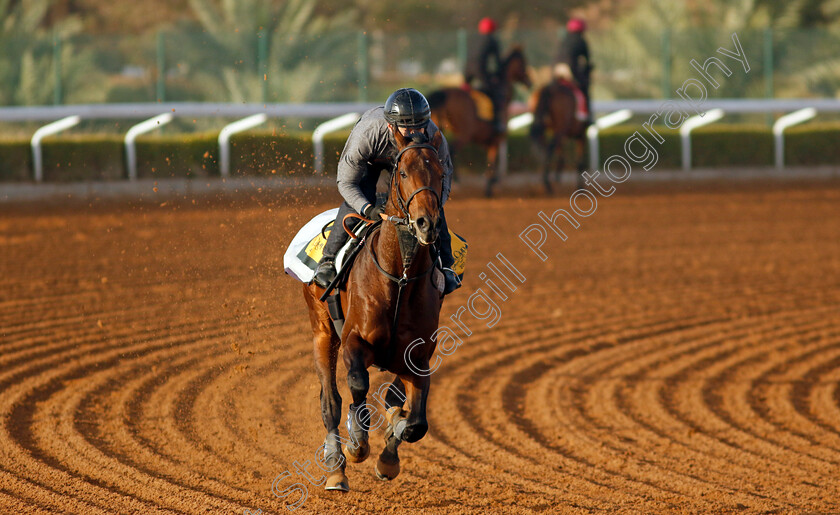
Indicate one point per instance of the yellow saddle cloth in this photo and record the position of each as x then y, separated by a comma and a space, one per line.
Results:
483, 104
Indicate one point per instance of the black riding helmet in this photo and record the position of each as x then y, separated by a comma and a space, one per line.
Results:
407, 107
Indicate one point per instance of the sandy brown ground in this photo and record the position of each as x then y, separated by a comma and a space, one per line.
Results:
679, 353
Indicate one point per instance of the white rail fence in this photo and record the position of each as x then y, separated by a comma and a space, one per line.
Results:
130, 137
65, 116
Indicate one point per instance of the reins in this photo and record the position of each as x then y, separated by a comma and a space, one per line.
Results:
407, 256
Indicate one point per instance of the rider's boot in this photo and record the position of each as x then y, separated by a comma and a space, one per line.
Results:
325, 273
447, 260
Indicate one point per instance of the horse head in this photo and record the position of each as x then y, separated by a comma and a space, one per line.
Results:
416, 186
516, 67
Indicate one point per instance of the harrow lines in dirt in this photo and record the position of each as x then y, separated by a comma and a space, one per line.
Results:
48, 433
486, 409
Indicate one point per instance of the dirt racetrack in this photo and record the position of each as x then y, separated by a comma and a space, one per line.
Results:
679, 353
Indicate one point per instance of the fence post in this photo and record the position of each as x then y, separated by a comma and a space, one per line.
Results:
130, 137
768, 68
57, 92
604, 122
788, 120
691, 124
229, 130
462, 50
160, 90
666, 63
363, 72
43, 132
262, 63
768, 63
325, 128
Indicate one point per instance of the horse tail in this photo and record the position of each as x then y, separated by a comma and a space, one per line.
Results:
541, 112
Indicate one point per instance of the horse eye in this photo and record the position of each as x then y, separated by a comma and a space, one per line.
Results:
403, 174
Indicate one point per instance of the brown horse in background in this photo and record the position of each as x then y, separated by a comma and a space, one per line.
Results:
391, 309
553, 107
454, 110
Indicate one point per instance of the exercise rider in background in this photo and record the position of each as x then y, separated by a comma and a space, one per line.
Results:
369, 150
574, 52
484, 69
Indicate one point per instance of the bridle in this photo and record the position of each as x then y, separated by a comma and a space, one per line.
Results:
407, 251
402, 205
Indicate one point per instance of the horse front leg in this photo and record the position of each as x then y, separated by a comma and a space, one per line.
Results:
549, 153
406, 422
492, 173
557, 142
416, 391
358, 357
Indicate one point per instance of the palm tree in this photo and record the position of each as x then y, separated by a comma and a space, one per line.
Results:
251, 46
28, 69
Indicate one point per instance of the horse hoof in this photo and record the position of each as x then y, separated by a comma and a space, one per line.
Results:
338, 482
387, 471
358, 454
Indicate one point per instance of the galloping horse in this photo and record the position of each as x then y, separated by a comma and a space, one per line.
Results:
390, 302
553, 106
453, 109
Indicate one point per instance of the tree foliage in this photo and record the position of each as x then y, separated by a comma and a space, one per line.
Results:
28, 71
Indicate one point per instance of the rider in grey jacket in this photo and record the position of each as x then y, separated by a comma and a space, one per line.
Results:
370, 149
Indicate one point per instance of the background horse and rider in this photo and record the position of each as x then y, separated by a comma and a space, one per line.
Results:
557, 117
455, 110
393, 279
562, 106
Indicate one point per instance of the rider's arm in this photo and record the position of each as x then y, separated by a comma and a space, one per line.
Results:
446, 161
352, 165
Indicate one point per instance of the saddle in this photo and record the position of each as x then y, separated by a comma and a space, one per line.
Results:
581, 113
305, 251
483, 104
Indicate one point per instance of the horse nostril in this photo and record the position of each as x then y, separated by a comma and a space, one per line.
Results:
422, 223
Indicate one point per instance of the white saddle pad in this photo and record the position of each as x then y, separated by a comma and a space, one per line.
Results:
305, 251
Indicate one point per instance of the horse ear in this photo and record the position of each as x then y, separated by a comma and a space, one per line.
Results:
399, 138
437, 140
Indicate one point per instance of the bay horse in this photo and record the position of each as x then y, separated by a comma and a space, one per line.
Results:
390, 302
553, 106
454, 110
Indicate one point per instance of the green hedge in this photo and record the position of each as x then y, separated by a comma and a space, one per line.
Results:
102, 156
185, 155
813, 144
15, 160
711, 146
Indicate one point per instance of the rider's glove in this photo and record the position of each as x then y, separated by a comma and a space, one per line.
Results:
372, 212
